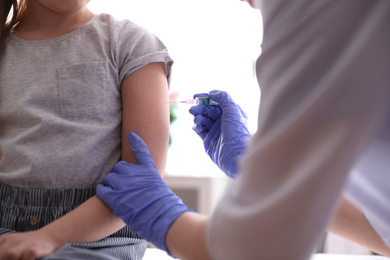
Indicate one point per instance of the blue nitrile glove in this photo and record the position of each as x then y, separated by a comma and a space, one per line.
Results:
223, 130
138, 195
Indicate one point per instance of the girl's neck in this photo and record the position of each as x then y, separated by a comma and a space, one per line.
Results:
38, 24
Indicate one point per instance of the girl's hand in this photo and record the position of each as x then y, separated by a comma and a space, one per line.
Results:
27, 246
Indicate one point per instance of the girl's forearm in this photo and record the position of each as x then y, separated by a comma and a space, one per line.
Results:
89, 222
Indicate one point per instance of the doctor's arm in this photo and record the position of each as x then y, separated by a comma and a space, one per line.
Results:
349, 222
83, 224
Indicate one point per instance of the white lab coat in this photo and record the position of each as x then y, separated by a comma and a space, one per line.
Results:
324, 75
368, 185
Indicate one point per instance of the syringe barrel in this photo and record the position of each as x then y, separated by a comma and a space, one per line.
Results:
204, 101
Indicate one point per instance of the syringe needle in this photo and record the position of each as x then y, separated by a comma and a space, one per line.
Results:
188, 101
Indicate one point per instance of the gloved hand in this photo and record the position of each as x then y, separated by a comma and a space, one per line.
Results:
138, 195
223, 130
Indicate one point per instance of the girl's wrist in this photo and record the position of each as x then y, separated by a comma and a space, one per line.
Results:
53, 237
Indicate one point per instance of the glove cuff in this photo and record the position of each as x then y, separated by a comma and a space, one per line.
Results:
155, 219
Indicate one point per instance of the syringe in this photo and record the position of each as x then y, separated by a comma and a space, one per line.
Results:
198, 101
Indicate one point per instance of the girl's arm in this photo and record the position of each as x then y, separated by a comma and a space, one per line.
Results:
351, 224
145, 111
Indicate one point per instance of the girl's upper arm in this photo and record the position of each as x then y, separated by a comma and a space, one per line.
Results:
146, 112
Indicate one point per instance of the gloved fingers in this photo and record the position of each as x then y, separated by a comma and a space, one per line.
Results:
212, 134
106, 180
140, 149
201, 95
115, 180
119, 168
103, 192
227, 103
200, 130
215, 112
195, 110
211, 111
198, 119
222, 97
107, 195
102, 189
200, 109
242, 112
204, 121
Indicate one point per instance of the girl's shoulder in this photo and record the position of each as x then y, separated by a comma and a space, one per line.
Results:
125, 31
116, 25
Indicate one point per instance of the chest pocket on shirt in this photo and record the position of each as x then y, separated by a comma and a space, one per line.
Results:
82, 89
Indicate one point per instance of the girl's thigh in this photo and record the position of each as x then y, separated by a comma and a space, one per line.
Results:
107, 249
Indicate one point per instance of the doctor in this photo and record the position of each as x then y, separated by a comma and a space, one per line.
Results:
324, 112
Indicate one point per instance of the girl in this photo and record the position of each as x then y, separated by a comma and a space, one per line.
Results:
71, 84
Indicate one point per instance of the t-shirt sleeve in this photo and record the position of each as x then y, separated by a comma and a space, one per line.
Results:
138, 47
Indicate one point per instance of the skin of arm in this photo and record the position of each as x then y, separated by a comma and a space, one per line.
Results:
186, 239
351, 224
146, 112
144, 94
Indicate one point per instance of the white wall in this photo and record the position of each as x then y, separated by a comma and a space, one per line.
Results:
214, 44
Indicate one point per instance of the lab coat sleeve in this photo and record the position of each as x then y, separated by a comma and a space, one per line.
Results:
324, 78
368, 186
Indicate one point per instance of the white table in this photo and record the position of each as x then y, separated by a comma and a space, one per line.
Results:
347, 257
157, 254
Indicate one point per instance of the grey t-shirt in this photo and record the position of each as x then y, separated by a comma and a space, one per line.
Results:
60, 102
